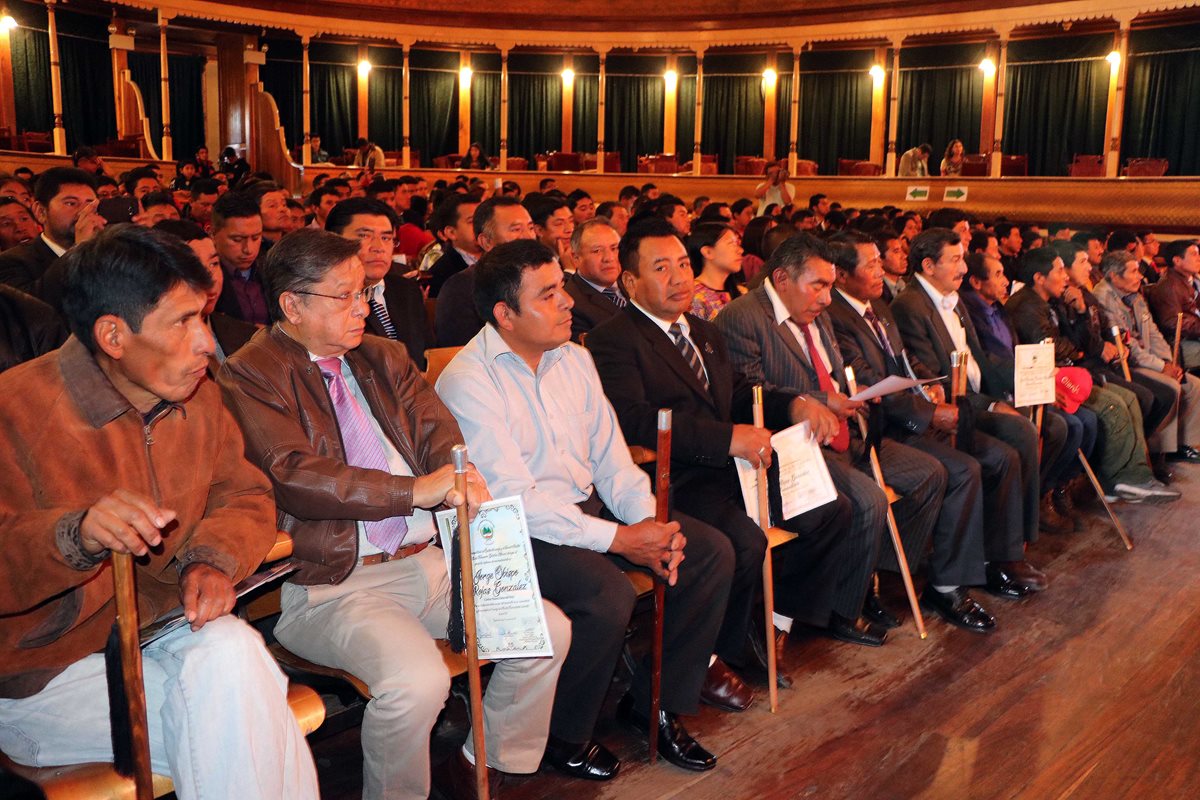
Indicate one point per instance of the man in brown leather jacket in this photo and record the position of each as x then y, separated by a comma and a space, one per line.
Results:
1176, 292
358, 446
118, 442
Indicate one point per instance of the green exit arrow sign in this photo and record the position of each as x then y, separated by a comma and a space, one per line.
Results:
955, 194
917, 193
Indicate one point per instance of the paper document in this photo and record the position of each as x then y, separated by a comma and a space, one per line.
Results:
1033, 378
510, 619
804, 482
748, 478
890, 385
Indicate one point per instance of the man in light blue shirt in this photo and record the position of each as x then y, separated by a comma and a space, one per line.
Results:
532, 410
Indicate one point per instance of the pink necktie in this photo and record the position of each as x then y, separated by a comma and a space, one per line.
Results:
362, 450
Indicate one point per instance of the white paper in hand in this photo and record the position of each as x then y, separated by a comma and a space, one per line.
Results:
1033, 375
748, 478
890, 385
804, 482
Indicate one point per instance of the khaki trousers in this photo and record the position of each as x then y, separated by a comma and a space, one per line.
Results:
1183, 425
379, 625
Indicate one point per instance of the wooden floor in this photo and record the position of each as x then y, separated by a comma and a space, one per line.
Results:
1090, 691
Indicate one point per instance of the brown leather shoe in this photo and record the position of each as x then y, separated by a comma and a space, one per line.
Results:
1049, 520
725, 690
1029, 575
454, 779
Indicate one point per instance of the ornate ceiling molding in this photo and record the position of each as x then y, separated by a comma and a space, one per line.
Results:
994, 22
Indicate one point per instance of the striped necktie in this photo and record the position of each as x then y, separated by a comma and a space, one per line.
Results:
363, 449
880, 333
689, 354
612, 294
380, 312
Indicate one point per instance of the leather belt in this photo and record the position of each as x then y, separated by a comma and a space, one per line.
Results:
383, 558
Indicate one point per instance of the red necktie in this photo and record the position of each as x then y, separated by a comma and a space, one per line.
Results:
841, 442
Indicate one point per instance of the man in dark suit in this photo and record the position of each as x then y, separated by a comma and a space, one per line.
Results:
1005, 443
65, 206
496, 220
396, 303
869, 339
653, 355
593, 287
776, 334
237, 232
453, 222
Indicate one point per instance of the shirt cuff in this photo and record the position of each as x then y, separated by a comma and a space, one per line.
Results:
69, 538
599, 532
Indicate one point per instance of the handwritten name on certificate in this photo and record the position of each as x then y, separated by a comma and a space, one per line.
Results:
510, 620
804, 482
1033, 376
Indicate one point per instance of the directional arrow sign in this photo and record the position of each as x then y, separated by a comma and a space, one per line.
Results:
955, 194
917, 193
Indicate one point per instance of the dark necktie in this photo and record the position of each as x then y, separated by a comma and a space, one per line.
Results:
612, 294
880, 333
841, 442
689, 353
380, 312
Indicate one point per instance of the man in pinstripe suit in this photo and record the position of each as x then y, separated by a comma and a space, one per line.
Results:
654, 355
778, 335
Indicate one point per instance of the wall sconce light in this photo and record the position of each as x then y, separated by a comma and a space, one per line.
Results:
464, 76
568, 75
364, 69
987, 67
1114, 58
769, 77
877, 73
672, 79
7, 23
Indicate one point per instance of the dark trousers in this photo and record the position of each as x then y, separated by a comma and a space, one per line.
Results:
1156, 398
1070, 429
592, 590
1006, 447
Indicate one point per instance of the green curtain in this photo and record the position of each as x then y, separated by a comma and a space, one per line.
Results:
385, 97
187, 98
283, 79
1162, 118
941, 98
485, 111
685, 116
89, 108
333, 95
585, 112
31, 68
633, 110
783, 114
145, 72
433, 103
835, 107
534, 113
1056, 99
733, 118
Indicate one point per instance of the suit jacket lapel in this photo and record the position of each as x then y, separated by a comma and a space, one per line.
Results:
668, 353
935, 317
720, 381
782, 329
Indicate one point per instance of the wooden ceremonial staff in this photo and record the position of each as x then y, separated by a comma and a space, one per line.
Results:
1087, 467
1122, 355
662, 515
768, 577
1178, 332
958, 374
459, 456
893, 528
130, 650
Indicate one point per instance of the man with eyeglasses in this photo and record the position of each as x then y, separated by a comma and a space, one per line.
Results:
397, 307
357, 447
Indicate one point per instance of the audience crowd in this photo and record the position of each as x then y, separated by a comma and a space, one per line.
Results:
222, 358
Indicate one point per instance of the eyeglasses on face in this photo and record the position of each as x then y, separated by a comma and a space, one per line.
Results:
343, 298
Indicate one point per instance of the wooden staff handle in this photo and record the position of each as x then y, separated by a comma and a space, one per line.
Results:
768, 569
459, 456
128, 629
957, 369
1178, 334
893, 529
1122, 354
662, 514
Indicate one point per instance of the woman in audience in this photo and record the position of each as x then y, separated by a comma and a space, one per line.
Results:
752, 242
715, 251
475, 159
953, 160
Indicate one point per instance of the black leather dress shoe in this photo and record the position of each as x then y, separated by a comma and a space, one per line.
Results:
1002, 581
1185, 453
723, 689
873, 611
590, 760
755, 669
1027, 574
674, 742
857, 631
957, 608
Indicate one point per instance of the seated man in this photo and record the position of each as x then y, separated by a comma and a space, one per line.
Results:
17, 225
396, 303
654, 355
1149, 354
237, 232
593, 287
357, 446
496, 220
1175, 294
453, 219
932, 325
535, 417
776, 334
128, 390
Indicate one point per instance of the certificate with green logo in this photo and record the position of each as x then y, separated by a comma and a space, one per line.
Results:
510, 619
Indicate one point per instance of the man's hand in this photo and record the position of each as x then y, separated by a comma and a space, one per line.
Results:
945, 418
842, 405
1109, 352
936, 392
1172, 371
436, 488
657, 546
88, 223
124, 522
1074, 298
823, 423
207, 593
752, 444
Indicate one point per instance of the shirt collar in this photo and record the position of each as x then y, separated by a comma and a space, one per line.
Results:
595, 286
943, 302
53, 245
663, 324
467, 257
377, 292
781, 312
494, 347
855, 303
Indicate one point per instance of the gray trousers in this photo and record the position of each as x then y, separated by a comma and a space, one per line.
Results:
379, 625
1183, 424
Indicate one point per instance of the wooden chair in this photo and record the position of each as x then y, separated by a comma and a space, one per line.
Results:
1146, 167
38, 142
564, 162
845, 166
866, 169
518, 164
1014, 166
1086, 167
805, 167
436, 359
975, 166
749, 165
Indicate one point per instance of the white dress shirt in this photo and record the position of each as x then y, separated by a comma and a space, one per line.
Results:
666, 328
549, 437
53, 245
782, 316
947, 308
